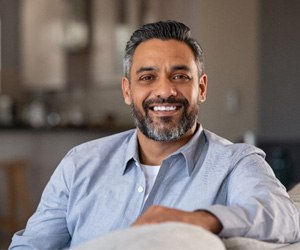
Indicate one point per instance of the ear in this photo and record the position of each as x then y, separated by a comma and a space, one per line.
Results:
202, 88
126, 90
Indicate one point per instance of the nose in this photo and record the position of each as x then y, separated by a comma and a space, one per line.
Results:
165, 88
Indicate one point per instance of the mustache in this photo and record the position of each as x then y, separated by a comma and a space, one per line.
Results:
160, 100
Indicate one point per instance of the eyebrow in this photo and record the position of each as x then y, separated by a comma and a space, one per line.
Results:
145, 69
180, 67
173, 68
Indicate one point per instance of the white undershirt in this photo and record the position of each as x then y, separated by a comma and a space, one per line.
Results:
150, 173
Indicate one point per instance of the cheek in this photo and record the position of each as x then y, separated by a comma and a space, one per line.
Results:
140, 94
192, 95
137, 97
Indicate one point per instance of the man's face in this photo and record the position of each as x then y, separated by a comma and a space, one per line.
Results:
164, 89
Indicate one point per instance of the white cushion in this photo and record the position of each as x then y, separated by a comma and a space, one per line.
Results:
165, 236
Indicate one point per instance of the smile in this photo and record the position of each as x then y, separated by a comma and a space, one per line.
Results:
164, 108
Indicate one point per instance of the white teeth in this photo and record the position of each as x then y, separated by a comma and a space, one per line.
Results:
164, 108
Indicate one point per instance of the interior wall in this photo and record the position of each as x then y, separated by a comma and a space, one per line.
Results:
280, 74
10, 56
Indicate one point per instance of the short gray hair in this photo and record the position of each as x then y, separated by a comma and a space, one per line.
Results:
164, 31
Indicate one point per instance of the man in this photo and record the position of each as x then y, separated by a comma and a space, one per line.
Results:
167, 169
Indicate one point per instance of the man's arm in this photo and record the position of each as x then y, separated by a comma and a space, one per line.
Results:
47, 228
160, 214
257, 206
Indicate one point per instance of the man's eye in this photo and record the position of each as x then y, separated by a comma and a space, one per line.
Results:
146, 78
181, 77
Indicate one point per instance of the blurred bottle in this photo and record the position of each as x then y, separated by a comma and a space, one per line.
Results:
249, 137
35, 112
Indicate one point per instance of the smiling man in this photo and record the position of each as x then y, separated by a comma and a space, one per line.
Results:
163, 89
168, 169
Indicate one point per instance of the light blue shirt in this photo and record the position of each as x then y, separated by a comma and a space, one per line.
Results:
99, 187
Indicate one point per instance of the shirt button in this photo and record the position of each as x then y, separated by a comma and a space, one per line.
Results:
140, 189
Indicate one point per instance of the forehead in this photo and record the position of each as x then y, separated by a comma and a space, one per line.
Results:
156, 51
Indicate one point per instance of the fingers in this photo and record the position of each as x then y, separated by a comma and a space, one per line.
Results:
160, 214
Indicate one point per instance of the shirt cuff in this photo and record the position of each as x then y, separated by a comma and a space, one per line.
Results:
233, 219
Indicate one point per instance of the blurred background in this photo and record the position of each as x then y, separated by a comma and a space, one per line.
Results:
60, 71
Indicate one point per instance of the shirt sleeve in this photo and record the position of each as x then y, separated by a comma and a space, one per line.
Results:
258, 205
47, 227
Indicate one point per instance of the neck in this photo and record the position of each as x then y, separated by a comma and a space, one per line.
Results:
154, 152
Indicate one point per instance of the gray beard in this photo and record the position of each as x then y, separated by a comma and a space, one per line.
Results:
152, 131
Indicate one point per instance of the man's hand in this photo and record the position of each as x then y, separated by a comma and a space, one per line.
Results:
160, 214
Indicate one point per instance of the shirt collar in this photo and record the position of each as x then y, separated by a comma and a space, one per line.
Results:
131, 152
190, 151
194, 149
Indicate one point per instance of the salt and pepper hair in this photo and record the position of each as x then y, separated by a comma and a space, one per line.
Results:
163, 30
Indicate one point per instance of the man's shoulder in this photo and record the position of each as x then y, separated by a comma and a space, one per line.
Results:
226, 148
109, 142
